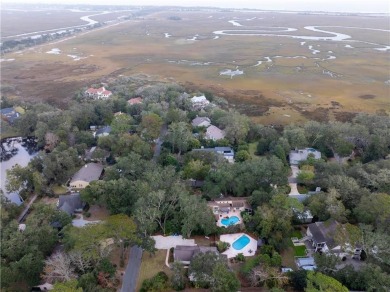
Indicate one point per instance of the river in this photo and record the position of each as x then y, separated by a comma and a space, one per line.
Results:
15, 151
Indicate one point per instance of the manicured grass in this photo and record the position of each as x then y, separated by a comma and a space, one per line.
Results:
300, 251
297, 234
59, 190
151, 265
252, 149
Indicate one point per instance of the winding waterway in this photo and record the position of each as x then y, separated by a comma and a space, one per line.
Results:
15, 151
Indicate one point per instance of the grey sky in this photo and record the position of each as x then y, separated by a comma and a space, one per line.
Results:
377, 6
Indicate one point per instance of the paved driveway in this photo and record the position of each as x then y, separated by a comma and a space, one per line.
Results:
81, 222
293, 181
132, 270
166, 242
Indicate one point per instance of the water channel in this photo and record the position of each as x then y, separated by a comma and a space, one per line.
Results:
15, 151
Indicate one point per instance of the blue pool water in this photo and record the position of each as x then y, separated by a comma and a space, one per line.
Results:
241, 242
230, 221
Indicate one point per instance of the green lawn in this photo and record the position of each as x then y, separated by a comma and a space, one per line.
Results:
297, 234
300, 251
59, 190
252, 149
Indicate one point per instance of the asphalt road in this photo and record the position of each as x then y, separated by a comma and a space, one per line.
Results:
131, 273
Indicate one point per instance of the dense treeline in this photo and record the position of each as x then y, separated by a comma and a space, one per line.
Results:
353, 174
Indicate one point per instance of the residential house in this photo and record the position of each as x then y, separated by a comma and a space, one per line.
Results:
70, 203
225, 205
99, 93
135, 100
88, 173
185, 253
214, 133
9, 115
299, 155
201, 122
322, 238
322, 234
227, 152
102, 132
199, 102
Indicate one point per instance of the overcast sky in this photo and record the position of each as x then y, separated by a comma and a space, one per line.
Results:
378, 6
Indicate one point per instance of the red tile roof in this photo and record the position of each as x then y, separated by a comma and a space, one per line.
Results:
136, 100
98, 91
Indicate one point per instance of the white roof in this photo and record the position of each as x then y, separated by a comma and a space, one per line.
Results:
201, 98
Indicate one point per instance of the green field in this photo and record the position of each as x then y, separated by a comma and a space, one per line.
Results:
300, 251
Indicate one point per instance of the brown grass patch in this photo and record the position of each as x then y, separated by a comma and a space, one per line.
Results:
367, 96
151, 265
139, 47
97, 213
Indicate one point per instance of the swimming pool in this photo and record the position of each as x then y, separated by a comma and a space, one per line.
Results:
241, 242
230, 221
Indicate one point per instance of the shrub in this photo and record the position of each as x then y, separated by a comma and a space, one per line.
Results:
222, 246
249, 265
106, 266
240, 257
158, 283
178, 278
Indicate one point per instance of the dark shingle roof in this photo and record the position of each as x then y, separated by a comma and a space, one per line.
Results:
88, 172
186, 253
70, 203
324, 232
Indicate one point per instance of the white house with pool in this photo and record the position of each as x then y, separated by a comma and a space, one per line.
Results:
239, 243
227, 211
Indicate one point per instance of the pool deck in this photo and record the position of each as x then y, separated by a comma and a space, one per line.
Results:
230, 214
248, 250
